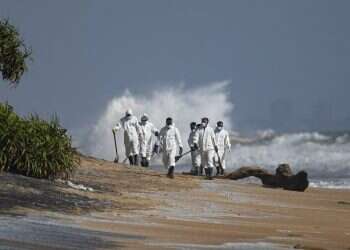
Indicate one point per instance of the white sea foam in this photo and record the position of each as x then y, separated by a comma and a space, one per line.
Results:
180, 102
320, 155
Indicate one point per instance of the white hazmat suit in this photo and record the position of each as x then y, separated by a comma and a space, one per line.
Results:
223, 142
131, 128
170, 139
147, 129
205, 139
195, 155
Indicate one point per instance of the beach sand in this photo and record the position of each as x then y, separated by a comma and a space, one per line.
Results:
136, 208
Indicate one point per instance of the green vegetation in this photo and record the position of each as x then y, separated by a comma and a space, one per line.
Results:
13, 53
34, 147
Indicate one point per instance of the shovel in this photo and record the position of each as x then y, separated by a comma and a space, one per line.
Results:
116, 159
178, 157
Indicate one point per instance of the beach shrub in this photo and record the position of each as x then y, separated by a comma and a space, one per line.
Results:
34, 147
13, 53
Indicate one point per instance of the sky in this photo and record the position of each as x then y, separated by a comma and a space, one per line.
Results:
287, 61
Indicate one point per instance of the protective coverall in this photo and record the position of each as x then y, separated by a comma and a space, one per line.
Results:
131, 128
170, 139
224, 145
205, 139
195, 154
147, 129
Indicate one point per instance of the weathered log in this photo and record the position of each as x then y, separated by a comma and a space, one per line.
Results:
283, 178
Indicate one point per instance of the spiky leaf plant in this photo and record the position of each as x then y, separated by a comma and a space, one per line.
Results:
14, 54
34, 147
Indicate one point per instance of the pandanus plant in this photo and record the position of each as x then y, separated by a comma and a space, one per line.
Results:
35, 147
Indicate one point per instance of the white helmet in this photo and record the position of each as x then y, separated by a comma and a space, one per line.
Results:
128, 112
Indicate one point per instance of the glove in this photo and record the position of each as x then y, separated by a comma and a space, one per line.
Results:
216, 148
193, 149
195, 146
180, 151
156, 133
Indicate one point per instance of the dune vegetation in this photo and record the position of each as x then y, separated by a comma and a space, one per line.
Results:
35, 147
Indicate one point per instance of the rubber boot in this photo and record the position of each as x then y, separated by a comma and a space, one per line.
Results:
131, 160
146, 163
136, 160
206, 172
200, 170
196, 172
143, 161
171, 172
217, 171
210, 173
222, 171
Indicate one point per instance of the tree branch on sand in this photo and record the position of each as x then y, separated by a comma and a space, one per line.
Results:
283, 178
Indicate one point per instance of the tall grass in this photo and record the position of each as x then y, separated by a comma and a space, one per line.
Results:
34, 147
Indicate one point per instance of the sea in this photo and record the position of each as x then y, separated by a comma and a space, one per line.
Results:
325, 156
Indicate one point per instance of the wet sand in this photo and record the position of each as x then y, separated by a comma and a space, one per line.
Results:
137, 208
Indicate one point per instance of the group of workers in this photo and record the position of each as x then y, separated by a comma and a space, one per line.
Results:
208, 146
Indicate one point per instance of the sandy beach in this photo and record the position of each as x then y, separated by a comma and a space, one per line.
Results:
136, 208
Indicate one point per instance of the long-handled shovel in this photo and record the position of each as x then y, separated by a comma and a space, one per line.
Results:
178, 157
116, 159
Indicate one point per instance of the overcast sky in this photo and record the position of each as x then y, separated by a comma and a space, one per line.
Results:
288, 61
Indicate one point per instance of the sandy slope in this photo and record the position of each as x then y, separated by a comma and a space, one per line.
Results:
137, 208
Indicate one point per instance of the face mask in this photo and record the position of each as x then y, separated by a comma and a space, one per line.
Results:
204, 124
219, 128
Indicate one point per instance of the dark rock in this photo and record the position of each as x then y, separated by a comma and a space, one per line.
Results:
283, 177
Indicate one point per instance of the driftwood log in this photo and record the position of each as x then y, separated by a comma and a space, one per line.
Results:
283, 178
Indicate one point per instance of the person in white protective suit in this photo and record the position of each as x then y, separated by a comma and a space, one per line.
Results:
195, 154
170, 139
131, 128
224, 146
147, 129
205, 140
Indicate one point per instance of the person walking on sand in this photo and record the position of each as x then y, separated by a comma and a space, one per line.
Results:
195, 155
224, 146
204, 139
170, 139
131, 128
147, 129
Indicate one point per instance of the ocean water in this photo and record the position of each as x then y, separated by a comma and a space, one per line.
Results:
325, 156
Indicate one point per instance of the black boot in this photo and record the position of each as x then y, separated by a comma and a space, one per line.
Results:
206, 172
200, 170
146, 163
217, 171
143, 161
171, 172
222, 171
196, 171
136, 160
131, 160
210, 173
